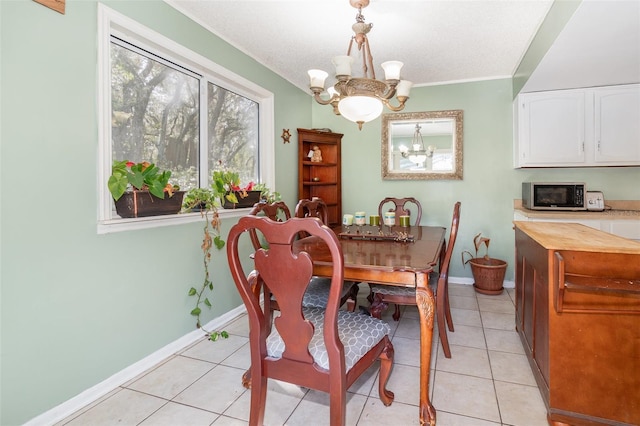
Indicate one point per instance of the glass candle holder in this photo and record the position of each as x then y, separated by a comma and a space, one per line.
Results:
405, 221
360, 218
347, 220
390, 218
374, 220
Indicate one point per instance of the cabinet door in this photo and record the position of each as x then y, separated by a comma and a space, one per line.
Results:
617, 125
551, 128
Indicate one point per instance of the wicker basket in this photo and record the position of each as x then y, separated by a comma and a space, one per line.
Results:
488, 274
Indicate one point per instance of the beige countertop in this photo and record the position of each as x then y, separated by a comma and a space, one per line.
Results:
576, 237
615, 210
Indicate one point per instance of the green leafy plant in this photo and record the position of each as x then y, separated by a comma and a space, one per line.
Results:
206, 201
266, 194
226, 184
143, 176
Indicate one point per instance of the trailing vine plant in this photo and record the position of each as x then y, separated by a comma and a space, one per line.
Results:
205, 200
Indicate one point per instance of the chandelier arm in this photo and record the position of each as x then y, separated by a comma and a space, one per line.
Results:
368, 59
389, 91
350, 46
400, 107
318, 98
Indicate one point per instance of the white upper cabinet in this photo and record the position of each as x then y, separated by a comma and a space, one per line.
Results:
617, 125
578, 127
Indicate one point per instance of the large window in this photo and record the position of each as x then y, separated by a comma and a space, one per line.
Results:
164, 104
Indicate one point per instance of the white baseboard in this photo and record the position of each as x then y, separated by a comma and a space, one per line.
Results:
469, 281
94, 393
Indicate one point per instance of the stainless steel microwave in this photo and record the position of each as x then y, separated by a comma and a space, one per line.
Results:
554, 195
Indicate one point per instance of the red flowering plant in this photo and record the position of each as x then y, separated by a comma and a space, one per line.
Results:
143, 176
226, 184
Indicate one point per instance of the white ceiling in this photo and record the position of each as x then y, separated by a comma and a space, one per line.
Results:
438, 40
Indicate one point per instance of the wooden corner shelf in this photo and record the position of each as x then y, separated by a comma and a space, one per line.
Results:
328, 171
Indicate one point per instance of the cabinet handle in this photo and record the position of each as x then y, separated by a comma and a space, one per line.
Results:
558, 271
585, 284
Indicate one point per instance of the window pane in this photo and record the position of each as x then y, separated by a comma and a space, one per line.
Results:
155, 114
233, 133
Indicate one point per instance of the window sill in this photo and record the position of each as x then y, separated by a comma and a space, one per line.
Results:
131, 224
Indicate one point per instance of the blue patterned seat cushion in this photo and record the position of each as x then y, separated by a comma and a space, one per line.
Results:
393, 290
403, 291
317, 294
358, 333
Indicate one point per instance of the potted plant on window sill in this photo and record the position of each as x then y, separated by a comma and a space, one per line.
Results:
140, 189
488, 273
226, 184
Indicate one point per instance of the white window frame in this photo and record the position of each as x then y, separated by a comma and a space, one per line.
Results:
110, 23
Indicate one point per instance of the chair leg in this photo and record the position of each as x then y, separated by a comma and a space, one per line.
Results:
377, 306
396, 313
246, 379
440, 315
352, 301
447, 307
258, 399
338, 407
386, 363
370, 296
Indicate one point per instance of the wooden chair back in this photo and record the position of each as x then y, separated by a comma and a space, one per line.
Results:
401, 208
274, 211
314, 207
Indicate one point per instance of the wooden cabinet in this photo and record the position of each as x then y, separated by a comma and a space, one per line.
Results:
578, 127
626, 228
577, 313
321, 179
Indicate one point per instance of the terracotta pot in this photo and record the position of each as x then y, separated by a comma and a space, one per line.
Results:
143, 203
488, 274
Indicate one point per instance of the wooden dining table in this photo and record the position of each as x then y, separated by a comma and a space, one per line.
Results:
396, 256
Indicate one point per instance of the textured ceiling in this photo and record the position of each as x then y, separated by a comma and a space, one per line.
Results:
438, 40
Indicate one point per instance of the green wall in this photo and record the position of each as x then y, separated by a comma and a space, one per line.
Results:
78, 307
490, 183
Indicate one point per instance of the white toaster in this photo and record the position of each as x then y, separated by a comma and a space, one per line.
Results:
595, 201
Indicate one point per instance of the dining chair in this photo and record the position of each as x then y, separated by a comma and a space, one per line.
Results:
384, 295
322, 349
318, 291
401, 207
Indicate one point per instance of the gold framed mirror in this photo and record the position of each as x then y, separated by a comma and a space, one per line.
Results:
422, 145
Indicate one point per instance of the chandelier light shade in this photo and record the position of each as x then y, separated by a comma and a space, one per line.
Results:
360, 99
417, 154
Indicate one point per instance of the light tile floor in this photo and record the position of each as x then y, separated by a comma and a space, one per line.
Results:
487, 381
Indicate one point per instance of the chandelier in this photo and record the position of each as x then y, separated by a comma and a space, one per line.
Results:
361, 99
417, 154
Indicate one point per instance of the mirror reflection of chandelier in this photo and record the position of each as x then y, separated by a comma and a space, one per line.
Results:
418, 154
361, 99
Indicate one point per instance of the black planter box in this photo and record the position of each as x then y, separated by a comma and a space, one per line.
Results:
248, 201
144, 203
